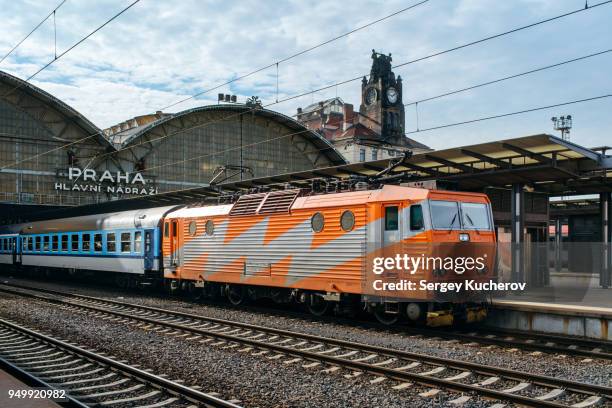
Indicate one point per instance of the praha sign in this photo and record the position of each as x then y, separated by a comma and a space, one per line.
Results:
109, 182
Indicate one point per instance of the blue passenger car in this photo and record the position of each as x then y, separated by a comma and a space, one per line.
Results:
127, 242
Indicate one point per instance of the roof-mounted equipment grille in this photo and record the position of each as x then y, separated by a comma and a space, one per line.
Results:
247, 204
278, 201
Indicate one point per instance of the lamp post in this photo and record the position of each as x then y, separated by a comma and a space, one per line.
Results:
563, 124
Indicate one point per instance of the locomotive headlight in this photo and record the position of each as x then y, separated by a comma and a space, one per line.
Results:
464, 237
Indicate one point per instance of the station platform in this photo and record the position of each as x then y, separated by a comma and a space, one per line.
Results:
9, 382
578, 311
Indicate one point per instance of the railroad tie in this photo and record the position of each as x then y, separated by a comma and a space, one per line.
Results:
519, 387
378, 380
311, 365
294, 360
409, 366
589, 402
330, 369
459, 376
460, 401
557, 392
431, 393
354, 374
434, 371
160, 403
131, 399
402, 386
488, 381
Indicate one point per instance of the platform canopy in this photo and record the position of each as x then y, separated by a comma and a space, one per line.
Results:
543, 163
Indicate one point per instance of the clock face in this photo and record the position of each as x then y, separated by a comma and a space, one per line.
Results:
392, 95
371, 96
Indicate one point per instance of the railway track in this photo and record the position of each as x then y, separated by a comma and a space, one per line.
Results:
402, 369
89, 378
513, 340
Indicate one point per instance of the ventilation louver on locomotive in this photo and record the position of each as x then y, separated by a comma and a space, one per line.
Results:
264, 203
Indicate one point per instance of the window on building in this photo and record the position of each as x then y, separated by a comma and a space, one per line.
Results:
137, 241
126, 242
86, 245
362, 153
111, 246
98, 242
374, 154
75, 242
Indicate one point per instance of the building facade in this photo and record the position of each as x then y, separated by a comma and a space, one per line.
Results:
51, 155
377, 130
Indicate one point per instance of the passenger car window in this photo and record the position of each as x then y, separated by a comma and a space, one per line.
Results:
64, 241
126, 242
54, 243
110, 242
445, 214
475, 216
45, 243
98, 242
86, 243
75, 242
391, 218
416, 218
137, 241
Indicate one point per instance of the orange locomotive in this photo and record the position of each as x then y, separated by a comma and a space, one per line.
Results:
313, 249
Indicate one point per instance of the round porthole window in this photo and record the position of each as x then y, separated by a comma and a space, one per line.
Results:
347, 220
210, 227
193, 228
317, 222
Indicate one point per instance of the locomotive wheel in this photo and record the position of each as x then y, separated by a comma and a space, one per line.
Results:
236, 295
317, 306
385, 318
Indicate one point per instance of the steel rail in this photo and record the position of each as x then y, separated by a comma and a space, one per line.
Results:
156, 381
547, 343
508, 374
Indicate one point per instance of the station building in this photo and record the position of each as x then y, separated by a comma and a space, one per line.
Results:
51, 155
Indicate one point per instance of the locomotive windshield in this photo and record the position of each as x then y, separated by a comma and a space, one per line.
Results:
454, 215
445, 214
475, 216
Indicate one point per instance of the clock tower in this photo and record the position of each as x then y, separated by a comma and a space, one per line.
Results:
381, 107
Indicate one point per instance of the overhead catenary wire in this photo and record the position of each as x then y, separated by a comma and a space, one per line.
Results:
465, 122
33, 30
233, 80
495, 81
412, 132
332, 85
73, 46
297, 54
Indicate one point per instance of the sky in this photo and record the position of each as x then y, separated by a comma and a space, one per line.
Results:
160, 52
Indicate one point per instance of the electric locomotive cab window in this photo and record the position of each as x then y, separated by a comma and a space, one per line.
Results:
417, 221
86, 246
98, 242
391, 218
126, 242
137, 241
54, 239
166, 229
74, 238
110, 242
445, 214
64, 243
475, 216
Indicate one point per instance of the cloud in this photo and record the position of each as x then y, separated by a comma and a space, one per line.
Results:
158, 53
